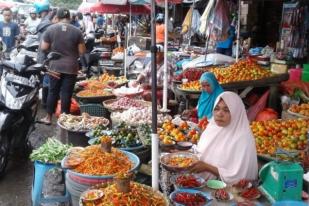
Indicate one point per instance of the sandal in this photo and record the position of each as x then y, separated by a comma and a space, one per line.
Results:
43, 121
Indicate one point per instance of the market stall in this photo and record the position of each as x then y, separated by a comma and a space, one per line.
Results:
121, 140
233, 79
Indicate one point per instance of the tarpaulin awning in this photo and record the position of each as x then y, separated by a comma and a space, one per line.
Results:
169, 1
4, 4
112, 9
115, 2
139, 2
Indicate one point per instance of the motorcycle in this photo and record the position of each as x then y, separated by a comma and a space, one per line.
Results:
19, 88
28, 47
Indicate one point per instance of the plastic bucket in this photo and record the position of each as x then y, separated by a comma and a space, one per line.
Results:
295, 74
75, 189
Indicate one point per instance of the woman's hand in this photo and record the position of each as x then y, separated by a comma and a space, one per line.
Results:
199, 167
187, 113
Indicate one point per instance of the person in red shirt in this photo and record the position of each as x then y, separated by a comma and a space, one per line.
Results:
160, 29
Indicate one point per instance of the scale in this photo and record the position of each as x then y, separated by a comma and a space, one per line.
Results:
282, 180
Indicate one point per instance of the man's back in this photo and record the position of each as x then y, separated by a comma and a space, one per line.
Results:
64, 38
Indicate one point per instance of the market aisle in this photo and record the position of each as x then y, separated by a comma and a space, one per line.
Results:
15, 187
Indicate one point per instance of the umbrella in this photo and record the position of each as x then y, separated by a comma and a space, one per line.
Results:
112, 9
4, 4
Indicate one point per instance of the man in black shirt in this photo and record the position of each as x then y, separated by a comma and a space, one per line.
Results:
66, 39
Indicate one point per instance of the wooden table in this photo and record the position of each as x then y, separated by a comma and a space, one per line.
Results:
271, 82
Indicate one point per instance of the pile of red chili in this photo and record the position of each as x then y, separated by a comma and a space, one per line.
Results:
187, 181
251, 193
190, 199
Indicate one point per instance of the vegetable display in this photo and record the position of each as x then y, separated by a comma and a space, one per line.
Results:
171, 132
222, 195
125, 103
190, 199
242, 184
93, 93
187, 181
122, 135
180, 161
139, 195
134, 116
103, 81
144, 133
286, 134
191, 74
251, 193
302, 109
85, 122
52, 151
245, 70
101, 163
98, 131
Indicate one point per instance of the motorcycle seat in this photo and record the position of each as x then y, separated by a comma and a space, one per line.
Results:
15, 66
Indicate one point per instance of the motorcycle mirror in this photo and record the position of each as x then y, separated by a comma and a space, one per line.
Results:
54, 56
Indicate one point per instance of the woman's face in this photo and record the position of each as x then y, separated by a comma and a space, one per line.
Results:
222, 115
206, 87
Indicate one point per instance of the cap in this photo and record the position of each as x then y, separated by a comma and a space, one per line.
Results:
63, 13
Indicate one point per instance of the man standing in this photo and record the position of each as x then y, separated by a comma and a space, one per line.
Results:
68, 40
8, 30
32, 22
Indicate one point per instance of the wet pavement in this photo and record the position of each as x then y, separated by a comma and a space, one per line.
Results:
15, 186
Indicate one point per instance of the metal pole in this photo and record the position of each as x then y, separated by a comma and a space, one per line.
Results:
130, 21
238, 31
165, 58
154, 135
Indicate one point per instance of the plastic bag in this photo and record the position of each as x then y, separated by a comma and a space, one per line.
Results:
219, 21
257, 107
211, 59
74, 109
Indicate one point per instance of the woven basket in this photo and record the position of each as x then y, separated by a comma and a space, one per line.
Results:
95, 110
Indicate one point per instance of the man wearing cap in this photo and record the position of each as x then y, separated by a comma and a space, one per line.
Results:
67, 40
32, 21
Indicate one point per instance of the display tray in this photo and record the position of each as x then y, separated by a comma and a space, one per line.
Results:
298, 115
269, 158
63, 127
134, 158
276, 78
107, 104
104, 185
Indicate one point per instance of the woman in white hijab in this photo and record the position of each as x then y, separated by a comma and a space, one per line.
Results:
227, 146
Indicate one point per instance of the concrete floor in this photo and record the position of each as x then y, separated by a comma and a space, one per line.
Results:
15, 186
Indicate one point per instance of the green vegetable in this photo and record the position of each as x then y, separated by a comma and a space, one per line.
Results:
123, 136
144, 132
53, 151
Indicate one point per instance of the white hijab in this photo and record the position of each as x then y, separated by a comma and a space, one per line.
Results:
232, 148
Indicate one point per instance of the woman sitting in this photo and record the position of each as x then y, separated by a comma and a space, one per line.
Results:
211, 89
227, 146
